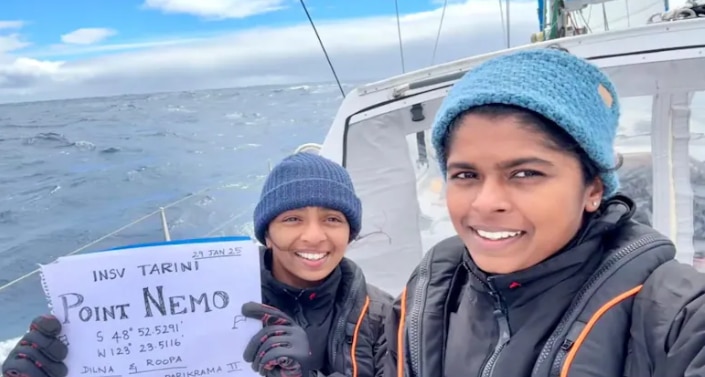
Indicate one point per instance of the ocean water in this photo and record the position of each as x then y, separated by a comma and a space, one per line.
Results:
73, 171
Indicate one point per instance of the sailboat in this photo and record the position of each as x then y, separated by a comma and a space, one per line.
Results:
381, 135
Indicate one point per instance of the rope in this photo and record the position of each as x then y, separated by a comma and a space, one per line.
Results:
114, 232
320, 42
401, 46
691, 9
440, 26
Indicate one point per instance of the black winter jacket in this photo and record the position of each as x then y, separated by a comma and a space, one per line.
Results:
343, 317
613, 303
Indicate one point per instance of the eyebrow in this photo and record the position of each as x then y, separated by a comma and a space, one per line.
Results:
504, 165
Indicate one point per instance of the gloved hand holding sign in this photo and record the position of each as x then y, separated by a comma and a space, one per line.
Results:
39, 353
281, 348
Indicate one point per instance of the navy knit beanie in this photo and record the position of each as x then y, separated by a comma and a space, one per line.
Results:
562, 87
307, 180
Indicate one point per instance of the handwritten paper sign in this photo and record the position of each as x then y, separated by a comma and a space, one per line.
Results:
163, 310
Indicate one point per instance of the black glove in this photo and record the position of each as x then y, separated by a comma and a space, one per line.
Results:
281, 348
39, 353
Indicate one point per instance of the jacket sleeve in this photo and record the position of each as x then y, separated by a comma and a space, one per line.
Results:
380, 351
380, 303
668, 321
388, 362
394, 328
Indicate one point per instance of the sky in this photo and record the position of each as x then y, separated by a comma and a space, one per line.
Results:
85, 48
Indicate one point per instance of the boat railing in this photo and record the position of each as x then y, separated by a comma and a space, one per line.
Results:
309, 147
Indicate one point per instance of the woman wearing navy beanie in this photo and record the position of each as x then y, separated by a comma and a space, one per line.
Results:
548, 274
320, 317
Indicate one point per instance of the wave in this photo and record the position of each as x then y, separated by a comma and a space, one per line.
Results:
6, 346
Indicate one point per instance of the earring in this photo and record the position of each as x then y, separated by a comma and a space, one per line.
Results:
596, 204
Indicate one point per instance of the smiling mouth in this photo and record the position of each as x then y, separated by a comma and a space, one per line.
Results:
311, 256
498, 236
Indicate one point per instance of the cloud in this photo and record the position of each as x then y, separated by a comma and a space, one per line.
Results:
360, 49
11, 42
216, 9
16, 24
87, 36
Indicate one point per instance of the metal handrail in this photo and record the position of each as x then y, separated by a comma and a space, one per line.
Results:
309, 147
165, 224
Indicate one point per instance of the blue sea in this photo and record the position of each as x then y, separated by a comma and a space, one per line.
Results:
74, 171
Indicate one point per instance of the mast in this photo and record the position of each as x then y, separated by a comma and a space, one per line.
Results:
542, 14
555, 18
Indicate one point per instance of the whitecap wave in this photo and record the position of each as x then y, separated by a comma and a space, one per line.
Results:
6, 346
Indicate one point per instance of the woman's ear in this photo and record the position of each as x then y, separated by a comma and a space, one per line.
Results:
267, 241
593, 195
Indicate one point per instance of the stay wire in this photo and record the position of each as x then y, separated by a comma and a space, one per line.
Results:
438, 35
320, 42
401, 45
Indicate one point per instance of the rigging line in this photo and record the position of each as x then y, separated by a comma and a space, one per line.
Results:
114, 232
509, 25
501, 16
643, 9
586, 22
438, 35
604, 17
320, 42
401, 45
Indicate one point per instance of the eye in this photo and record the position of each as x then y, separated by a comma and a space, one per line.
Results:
290, 219
463, 175
335, 219
527, 174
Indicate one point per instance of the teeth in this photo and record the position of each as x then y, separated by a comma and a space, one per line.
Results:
311, 256
496, 235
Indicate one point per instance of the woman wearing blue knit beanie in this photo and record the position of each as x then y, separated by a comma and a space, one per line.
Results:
548, 275
320, 317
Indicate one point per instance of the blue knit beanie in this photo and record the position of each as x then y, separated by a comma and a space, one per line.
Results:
567, 90
307, 180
